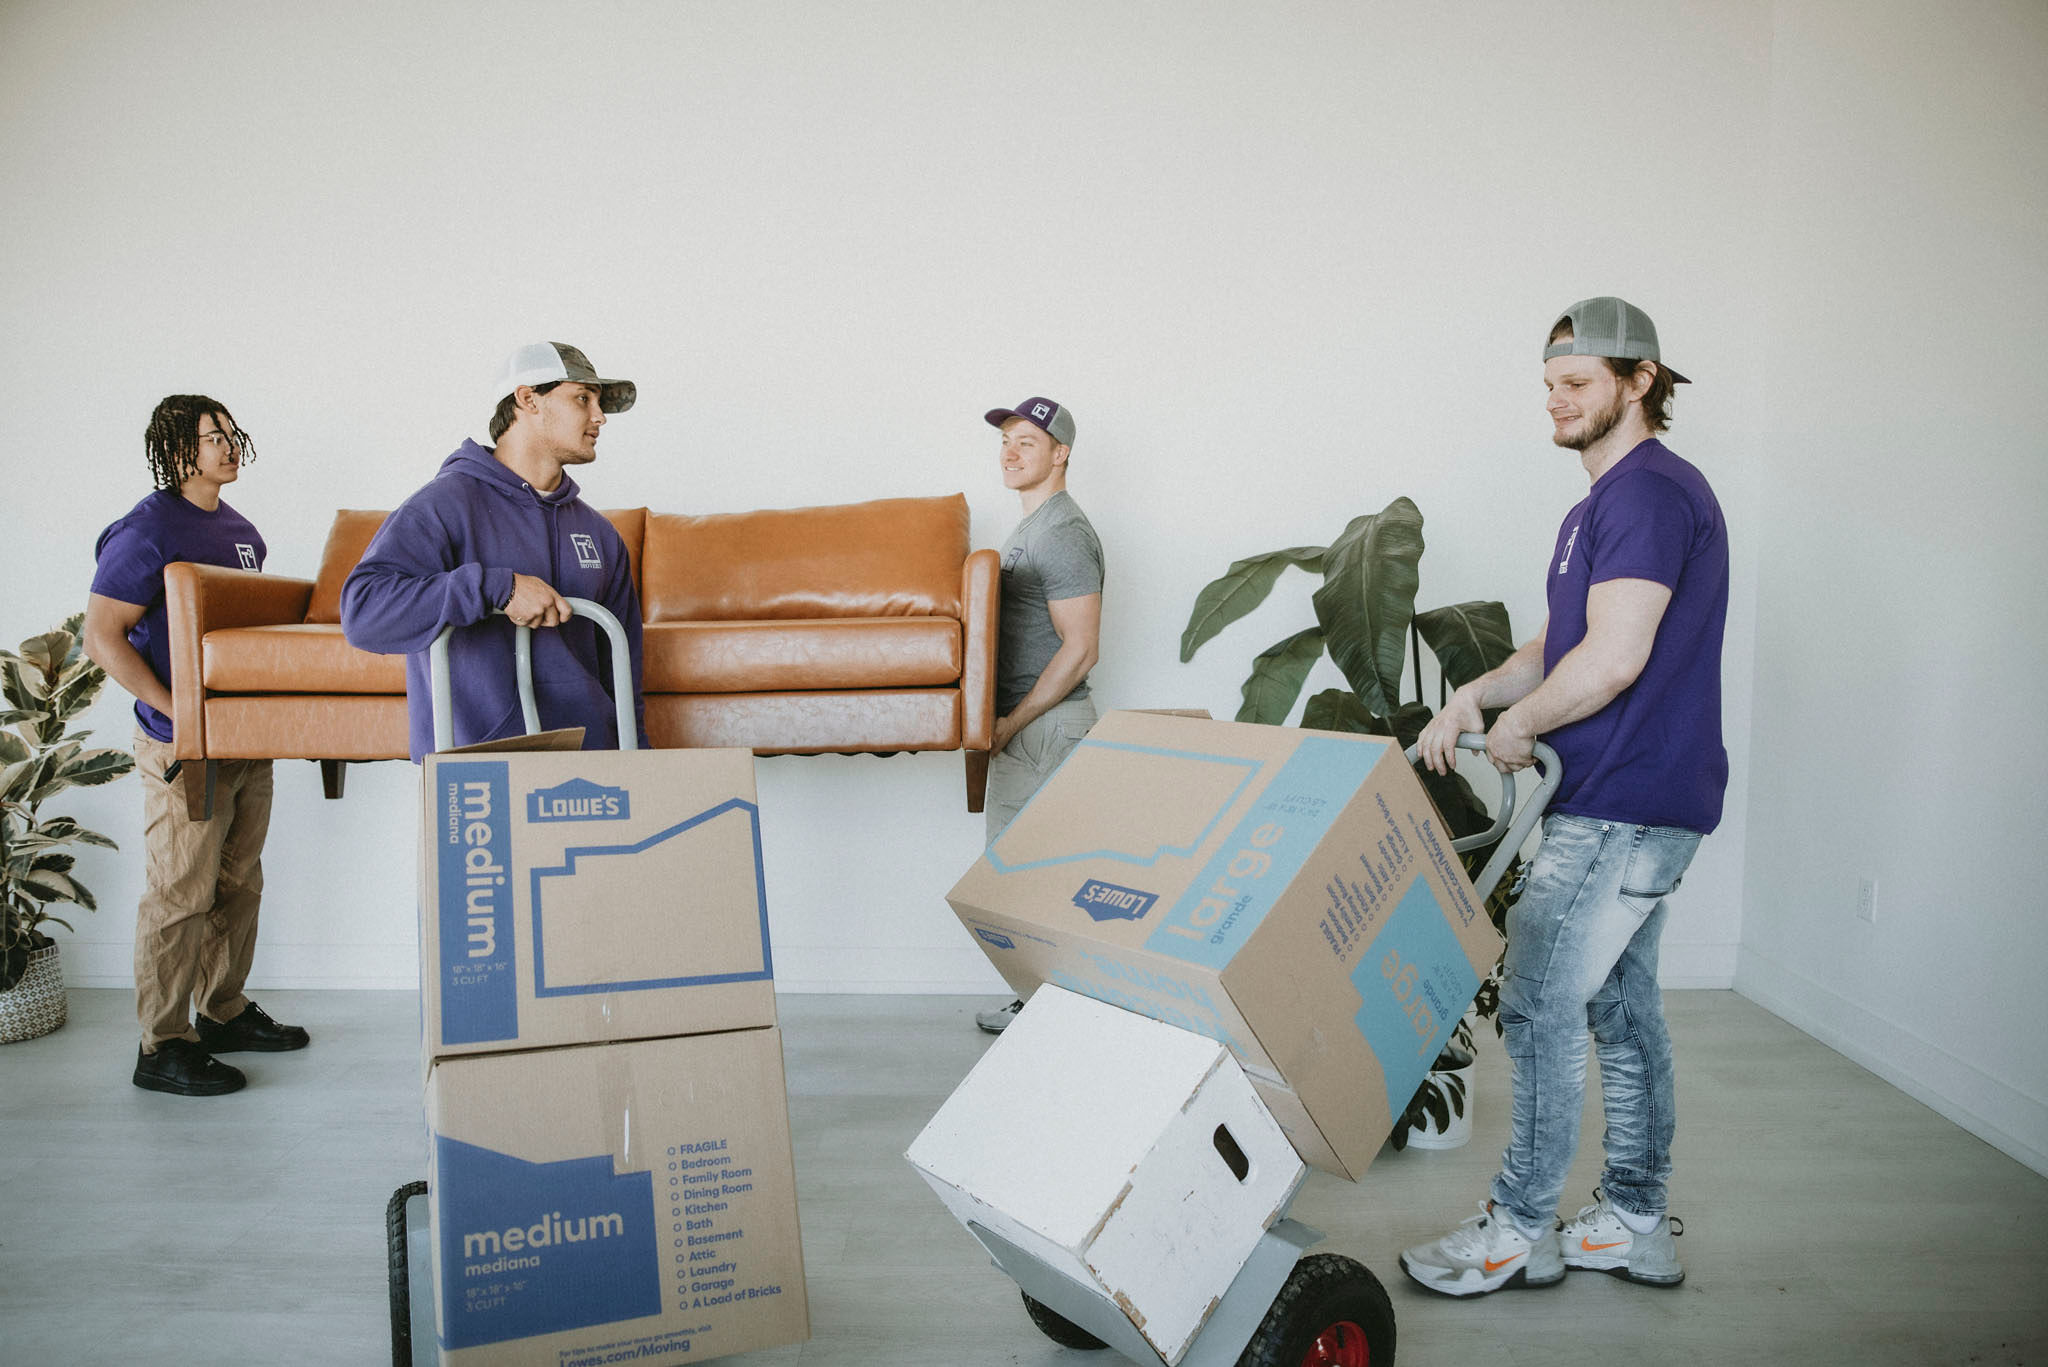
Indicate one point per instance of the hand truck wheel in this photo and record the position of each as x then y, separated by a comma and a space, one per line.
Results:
1331, 1313
1058, 1327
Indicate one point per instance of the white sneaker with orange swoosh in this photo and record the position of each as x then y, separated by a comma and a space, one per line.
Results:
1597, 1240
1485, 1253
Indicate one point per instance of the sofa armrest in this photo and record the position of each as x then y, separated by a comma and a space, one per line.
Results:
980, 597
203, 598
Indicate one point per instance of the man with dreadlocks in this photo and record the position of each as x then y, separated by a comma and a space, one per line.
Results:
195, 929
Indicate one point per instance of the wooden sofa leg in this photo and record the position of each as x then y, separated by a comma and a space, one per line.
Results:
333, 774
977, 778
199, 776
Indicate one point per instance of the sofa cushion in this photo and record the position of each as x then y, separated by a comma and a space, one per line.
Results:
844, 722
312, 657
758, 657
347, 539
893, 557
350, 536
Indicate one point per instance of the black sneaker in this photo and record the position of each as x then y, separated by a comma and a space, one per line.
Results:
182, 1068
252, 1031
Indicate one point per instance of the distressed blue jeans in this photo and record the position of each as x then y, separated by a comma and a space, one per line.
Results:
1582, 959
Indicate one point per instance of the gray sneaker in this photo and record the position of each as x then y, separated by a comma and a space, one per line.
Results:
1597, 1240
1486, 1253
998, 1020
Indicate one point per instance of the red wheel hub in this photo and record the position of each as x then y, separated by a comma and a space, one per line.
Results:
1343, 1344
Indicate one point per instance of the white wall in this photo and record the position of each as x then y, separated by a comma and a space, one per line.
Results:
1902, 638
1285, 263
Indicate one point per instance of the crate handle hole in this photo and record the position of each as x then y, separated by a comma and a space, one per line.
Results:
1233, 1156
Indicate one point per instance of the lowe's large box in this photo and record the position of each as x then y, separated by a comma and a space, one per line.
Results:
1129, 1156
614, 1202
1290, 893
579, 897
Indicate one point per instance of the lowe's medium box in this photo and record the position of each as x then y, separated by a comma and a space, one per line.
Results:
1290, 893
579, 897
614, 1203
1129, 1156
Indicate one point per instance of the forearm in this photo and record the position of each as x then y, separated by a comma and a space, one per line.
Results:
1062, 674
1514, 679
125, 666
1583, 682
386, 609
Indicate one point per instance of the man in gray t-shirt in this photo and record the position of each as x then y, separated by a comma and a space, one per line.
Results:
1051, 621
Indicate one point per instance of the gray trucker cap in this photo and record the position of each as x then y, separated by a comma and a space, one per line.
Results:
1608, 326
539, 363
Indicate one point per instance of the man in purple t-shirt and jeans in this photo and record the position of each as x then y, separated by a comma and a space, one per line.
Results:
195, 929
1624, 681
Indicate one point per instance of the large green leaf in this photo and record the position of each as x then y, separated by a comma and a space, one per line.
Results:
45, 886
1241, 588
1277, 675
46, 653
88, 770
1367, 598
14, 684
1338, 709
1467, 639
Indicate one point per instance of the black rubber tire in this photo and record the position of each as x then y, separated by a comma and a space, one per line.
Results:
401, 1273
1058, 1327
1323, 1289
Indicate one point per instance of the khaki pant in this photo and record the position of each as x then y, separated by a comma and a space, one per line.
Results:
1021, 768
195, 930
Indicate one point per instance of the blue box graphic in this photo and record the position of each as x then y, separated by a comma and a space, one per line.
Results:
536, 1248
1264, 851
579, 800
479, 984
1414, 983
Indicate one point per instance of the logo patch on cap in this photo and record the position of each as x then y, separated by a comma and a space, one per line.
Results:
1042, 412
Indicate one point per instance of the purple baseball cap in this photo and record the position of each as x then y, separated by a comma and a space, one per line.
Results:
1054, 420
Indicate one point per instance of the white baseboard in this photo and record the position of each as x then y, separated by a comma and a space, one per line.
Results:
1996, 1112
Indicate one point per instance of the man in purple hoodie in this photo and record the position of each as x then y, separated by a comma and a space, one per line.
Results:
501, 537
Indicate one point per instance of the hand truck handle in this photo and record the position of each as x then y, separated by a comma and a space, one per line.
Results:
1505, 823
522, 658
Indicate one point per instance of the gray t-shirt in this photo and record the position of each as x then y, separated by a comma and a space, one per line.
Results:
1052, 554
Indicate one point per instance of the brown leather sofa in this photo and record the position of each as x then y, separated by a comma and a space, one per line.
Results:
854, 628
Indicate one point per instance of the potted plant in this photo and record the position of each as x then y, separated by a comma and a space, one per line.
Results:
1367, 623
45, 687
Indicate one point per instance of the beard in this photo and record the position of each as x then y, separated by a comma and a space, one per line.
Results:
1595, 425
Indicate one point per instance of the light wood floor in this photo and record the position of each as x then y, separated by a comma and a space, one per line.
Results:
1829, 1218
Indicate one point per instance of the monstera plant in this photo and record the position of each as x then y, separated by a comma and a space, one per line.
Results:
1366, 622
46, 686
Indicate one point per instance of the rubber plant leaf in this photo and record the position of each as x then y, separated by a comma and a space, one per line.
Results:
1277, 675
1467, 639
1241, 588
1338, 709
1367, 599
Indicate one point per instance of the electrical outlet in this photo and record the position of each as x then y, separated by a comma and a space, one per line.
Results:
1866, 901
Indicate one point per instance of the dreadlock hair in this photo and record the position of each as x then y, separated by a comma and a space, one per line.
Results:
172, 439
508, 409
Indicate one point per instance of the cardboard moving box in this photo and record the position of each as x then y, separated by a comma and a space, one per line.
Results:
1127, 1155
579, 897
614, 1202
1290, 893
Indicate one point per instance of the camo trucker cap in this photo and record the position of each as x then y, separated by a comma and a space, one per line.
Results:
1055, 420
539, 363
1608, 326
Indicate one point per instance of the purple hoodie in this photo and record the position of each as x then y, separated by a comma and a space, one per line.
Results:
447, 557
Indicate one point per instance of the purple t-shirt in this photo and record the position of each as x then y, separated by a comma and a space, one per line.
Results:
132, 554
1653, 756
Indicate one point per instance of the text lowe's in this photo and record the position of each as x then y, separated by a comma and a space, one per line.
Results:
574, 897
1292, 894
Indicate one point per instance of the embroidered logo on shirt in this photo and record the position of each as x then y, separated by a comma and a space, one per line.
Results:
1570, 542
248, 555
586, 551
